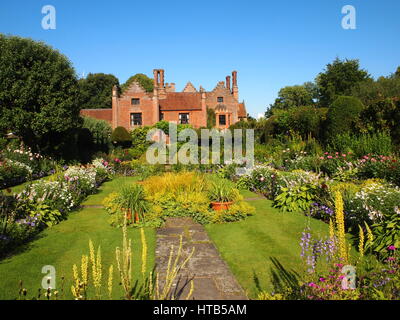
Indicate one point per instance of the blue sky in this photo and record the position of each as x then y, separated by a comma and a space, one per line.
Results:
270, 43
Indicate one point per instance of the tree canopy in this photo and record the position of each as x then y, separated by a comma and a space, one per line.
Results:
96, 90
291, 97
338, 79
39, 96
146, 82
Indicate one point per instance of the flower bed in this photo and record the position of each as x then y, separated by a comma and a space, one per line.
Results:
177, 194
20, 165
46, 203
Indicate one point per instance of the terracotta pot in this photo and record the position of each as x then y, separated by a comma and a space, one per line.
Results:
218, 206
136, 217
129, 215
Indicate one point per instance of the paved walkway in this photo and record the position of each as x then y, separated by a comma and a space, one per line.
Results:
211, 276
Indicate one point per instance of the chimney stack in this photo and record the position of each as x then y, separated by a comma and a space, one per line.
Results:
234, 78
228, 83
155, 74
158, 78
235, 89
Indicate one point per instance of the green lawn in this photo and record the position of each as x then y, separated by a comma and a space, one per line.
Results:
254, 247
63, 245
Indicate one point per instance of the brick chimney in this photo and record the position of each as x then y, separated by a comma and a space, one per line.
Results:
235, 89
228, 83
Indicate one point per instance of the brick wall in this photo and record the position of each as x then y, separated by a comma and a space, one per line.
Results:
101, 114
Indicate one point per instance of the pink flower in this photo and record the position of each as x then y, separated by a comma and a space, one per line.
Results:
330, 157
391, 248
321, 158
343, 155
326, 153
322, 279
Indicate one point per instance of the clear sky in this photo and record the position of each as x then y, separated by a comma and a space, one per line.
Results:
270, 43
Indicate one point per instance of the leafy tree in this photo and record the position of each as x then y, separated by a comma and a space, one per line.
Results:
146, 82
101, 132
293, 96
96, 90
338, 79
371, 91
397, 73
307, 120
39, 96
343, 115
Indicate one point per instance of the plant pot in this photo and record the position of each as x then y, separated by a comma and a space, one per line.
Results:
129, 215
136, 217
218, 206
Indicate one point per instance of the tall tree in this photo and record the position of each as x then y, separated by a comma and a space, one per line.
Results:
39, 96
290, 97
96, 90
146, 82
338, 79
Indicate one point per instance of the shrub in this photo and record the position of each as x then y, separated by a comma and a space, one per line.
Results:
139, 141
360, 145
342, 116
307, 120
121, 136
101, 132
386, 235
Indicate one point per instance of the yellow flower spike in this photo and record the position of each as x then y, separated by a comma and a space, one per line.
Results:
370, 235
361, 242
340, 226
110, 281
144, 251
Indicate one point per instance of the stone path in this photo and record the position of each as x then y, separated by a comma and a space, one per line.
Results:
211, 276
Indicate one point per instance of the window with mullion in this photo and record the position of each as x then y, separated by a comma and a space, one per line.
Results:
136, 119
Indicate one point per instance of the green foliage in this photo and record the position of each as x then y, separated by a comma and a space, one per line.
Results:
100, 130
293, 97
139, 141
371, 91
96, 90
38, 93
211, 118
296, 198
145, 82
342, 116
132, 198
222, 190
306, 120
387, 233
360, 145
338, 79
121, 136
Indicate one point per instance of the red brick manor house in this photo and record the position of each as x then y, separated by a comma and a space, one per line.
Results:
136, 107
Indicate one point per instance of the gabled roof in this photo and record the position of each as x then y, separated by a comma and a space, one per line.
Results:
189, 88
181, 101
242, 113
